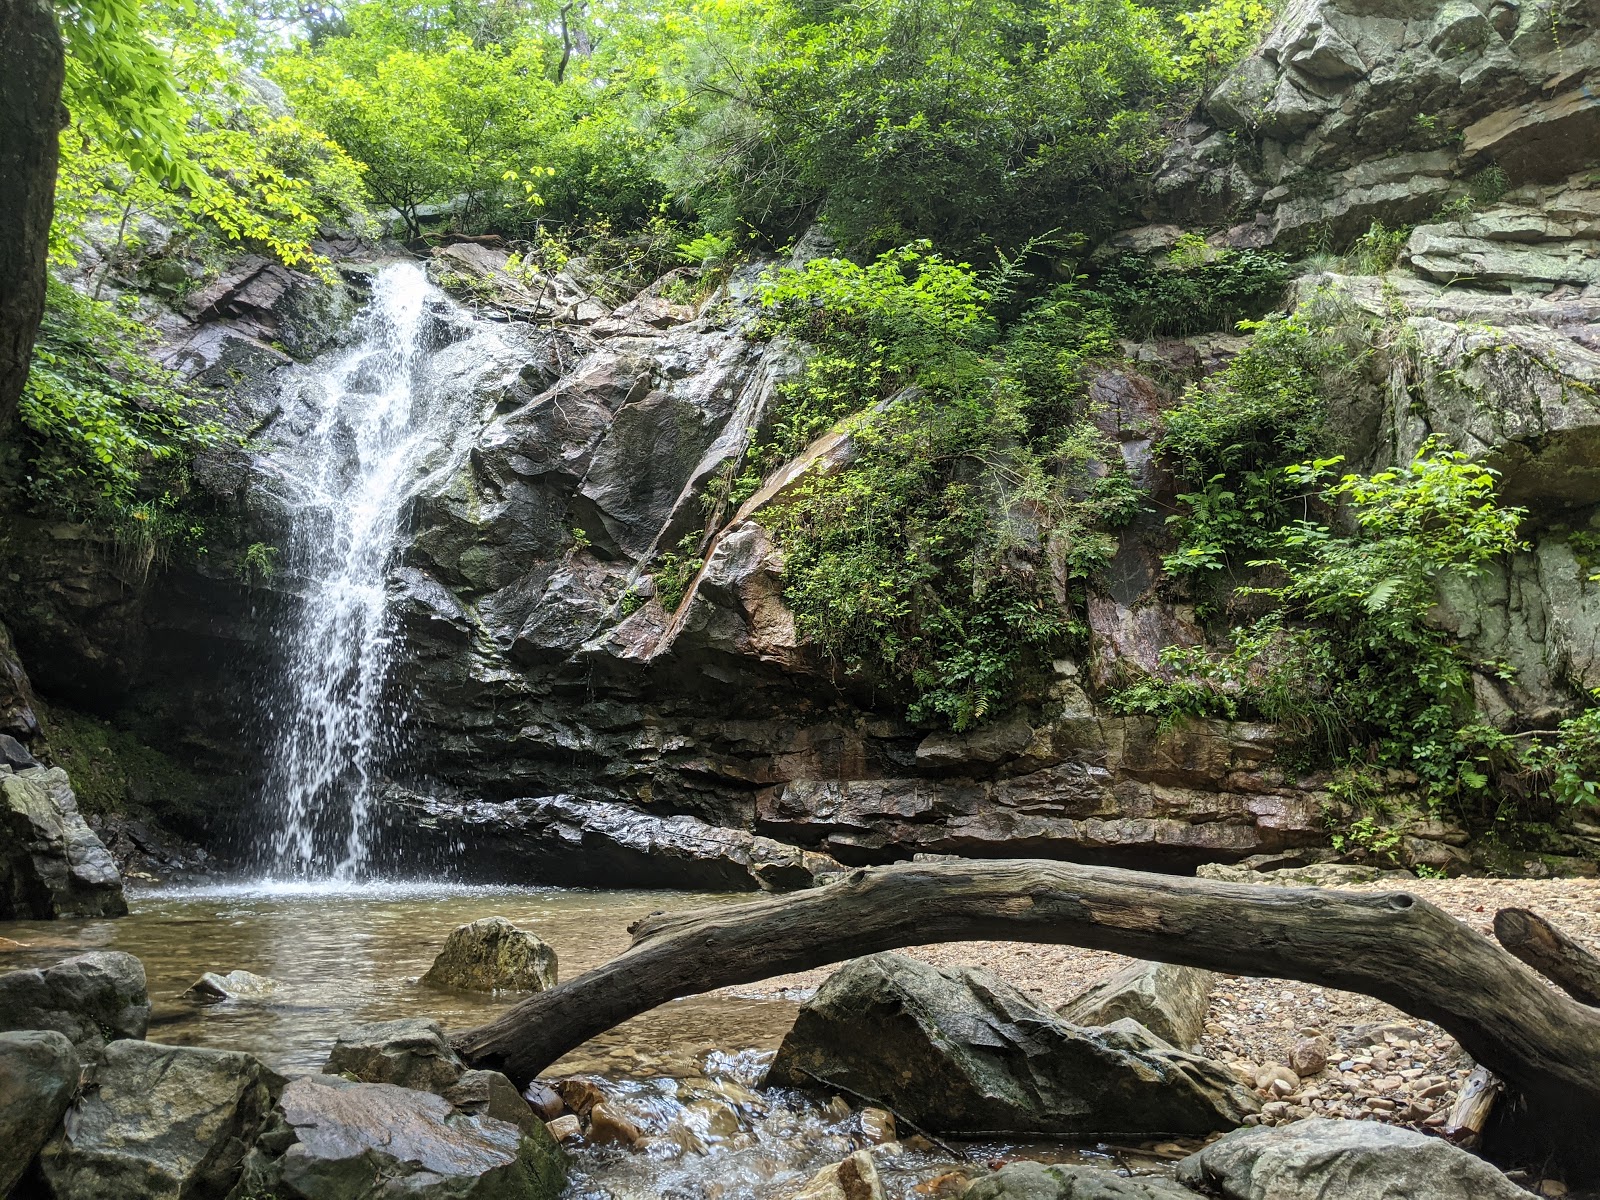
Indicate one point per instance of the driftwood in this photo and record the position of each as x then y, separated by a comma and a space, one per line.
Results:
1470, 1116
1391, 945
1550, 952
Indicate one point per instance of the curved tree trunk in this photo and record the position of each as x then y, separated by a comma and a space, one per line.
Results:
31, 119
1394, 946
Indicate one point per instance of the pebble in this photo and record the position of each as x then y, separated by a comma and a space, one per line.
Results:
565, 1129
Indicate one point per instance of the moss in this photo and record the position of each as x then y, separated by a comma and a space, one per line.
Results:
113, 772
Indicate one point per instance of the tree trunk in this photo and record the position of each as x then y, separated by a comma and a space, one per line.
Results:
31, 119
1394, 946
1549, 951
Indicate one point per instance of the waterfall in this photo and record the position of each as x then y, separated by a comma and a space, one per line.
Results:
373, 429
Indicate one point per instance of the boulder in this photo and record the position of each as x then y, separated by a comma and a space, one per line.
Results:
493, 955
1168, 1000
38, 1076
331, 1139
856, 1178
168, 1122
51, 863
1036, 1181
410, 1053
91, 998
961, 1051
235, 985
1353, 1160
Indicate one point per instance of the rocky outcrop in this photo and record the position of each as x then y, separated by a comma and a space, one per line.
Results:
964, 1052
1168, 1000
161, 1123
1036, 1181
1354, 1160
92, 999
493, 955
17, 718
38, 1078
564, 840
331, 1139
51, 863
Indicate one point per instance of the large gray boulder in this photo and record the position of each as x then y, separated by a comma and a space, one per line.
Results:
961, 1051
336, 1140
92, 998
409, 1053
493, 955
38, 1076
51, 863
1353, 1160
1036, 1181
1168, 1000
161, 1123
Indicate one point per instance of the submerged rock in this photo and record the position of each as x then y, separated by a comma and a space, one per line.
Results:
161, 1123
51, 863
1168, 1000
331, 1139
91, 998
38, 1076
856, 1178
961, 1051
410, 1053
235, 985
493, 955
1036, 1181
1353, 1160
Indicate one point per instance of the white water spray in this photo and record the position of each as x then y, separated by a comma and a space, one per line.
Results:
377, 425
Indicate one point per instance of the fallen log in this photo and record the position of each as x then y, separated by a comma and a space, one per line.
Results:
1557, 957
1394, 946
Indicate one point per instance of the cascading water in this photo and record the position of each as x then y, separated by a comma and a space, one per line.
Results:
377, 423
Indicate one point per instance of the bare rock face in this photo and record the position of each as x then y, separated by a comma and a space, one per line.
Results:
409, 1053
51, 863
91, 998
1168, 1000
1355, 1160
161, 1123
493, 955
38, 1078
964, 1052
331, 1139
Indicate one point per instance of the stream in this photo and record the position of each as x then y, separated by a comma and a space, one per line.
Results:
688, 1073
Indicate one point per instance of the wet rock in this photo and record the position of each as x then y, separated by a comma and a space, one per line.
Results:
1354, 1160
962, 1051
609, 1127
493, 955
544, 1100
51, 863
566, 841
580, 1096
565, 1128
410, 1053
1168, 1000
91, 998
18, 721
856, 1178
38, 1076
235, 985
492, 1094
876, 1125
14, 754
331, 1139
1036, 1181
167, 1122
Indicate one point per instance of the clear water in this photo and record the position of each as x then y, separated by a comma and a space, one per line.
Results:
688, 1073
376, 430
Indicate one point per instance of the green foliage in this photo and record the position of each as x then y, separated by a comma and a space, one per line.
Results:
971, 125
1347, 658
258, 563
1232, 435
1196, 289
1218, 36
1377, 250
676, 569
109, 433
937, 564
